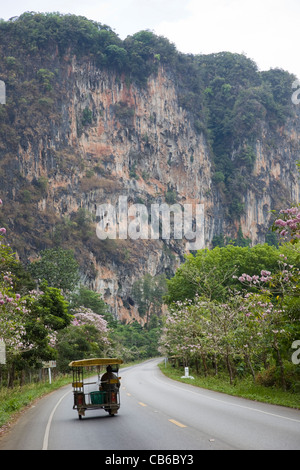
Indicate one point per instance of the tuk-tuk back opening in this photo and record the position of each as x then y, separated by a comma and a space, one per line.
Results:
100, 394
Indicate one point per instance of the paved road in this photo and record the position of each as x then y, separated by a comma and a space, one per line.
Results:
156, 414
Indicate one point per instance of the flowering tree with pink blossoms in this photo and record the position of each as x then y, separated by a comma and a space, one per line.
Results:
85, 316
251, 328
288, 225
181, 335
12, 307
276, 303
86, 336
272, 306
13, 310
28, 322
282, 290
211, 333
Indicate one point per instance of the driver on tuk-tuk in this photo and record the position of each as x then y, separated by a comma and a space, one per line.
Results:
105, 385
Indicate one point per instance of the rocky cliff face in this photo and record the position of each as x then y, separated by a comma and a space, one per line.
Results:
138, 144
96, 137
274, 179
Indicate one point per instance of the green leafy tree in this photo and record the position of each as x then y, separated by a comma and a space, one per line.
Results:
133, 341
58, 267
210, 272
45, 77
86, 336
52, 307
148, 292
74, 343
117, 56
87, 298
47, 314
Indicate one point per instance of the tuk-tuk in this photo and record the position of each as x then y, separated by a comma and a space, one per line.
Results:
102, 394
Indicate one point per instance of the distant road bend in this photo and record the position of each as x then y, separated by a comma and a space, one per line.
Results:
156, 414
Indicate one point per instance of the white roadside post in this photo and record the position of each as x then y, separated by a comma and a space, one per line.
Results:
48, 365
186, 374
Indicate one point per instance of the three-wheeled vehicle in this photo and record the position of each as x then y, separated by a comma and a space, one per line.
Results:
101, 394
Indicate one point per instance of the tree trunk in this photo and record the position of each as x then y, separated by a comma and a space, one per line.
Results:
204, 364
22, 378
197, 365
216, 364
281, 367
11, 376
248, 361
229, 368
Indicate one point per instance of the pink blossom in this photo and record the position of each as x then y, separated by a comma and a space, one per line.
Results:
265, 273
283, 233
280, 223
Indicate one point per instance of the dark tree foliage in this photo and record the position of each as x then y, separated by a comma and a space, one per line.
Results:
58, 267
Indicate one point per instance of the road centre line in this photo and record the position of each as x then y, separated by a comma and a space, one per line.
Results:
177, 423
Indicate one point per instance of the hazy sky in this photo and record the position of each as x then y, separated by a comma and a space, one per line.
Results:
267, 31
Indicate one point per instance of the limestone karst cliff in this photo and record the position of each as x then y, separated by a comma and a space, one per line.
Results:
89, 122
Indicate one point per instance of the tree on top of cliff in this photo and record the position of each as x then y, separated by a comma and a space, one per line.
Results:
36, 31
137, 55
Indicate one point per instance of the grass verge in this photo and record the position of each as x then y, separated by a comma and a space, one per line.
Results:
13, 401
244, 388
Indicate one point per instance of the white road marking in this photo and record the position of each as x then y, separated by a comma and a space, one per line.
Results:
47, 431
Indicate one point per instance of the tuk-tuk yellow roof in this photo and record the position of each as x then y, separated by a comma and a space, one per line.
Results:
97, 361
